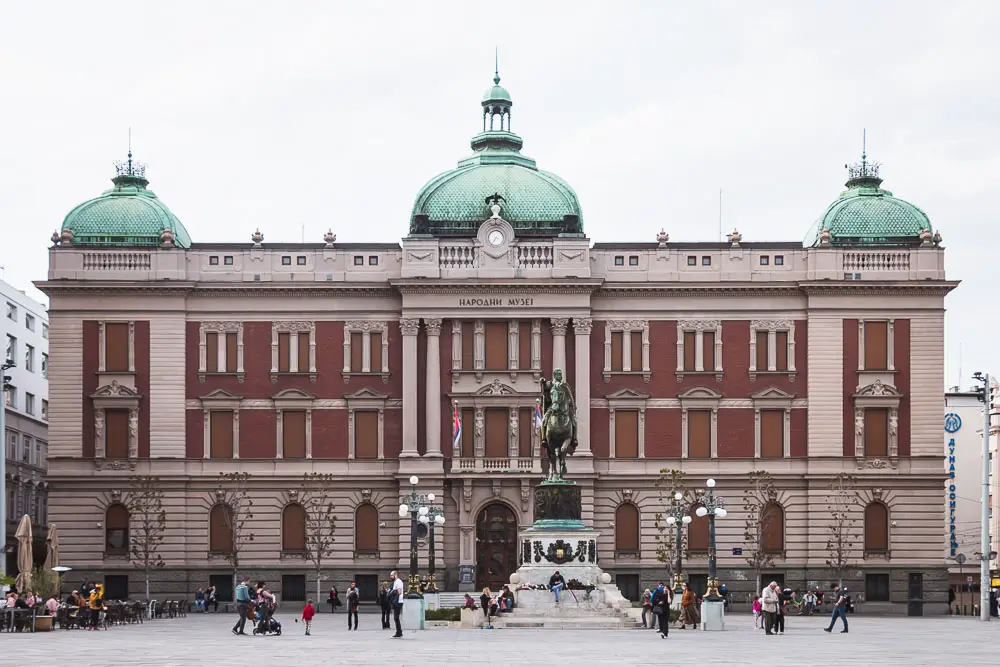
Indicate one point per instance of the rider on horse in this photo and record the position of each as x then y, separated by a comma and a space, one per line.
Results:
558, 407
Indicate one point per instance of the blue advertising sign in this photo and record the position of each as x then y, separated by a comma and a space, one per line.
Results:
952, 422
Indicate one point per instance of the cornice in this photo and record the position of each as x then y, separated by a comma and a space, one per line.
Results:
935, 287
101, 288
554, 286
167, 288
696, 289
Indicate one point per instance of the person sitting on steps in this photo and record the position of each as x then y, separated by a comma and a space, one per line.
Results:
556, 584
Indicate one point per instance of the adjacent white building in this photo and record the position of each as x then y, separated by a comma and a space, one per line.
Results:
963, 448
26, 335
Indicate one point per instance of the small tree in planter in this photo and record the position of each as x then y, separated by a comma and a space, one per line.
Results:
843, 527
147, 523
757, 501
233, 494
669, 483
321, 521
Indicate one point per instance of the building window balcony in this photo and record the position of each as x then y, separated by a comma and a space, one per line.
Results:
699, 348
116, 422
772, 348
489, 349
293, 349
498, 432
366, 349
220, 349
876, 425
626, 349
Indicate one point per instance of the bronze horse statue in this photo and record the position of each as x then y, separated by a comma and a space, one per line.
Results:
558, 430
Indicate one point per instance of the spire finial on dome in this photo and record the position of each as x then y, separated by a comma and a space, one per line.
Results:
130, 173
863, 174
496, 66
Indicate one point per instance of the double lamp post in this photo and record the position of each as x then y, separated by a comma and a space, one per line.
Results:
711, 506
421, 510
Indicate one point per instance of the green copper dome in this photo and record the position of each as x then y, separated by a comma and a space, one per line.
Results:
126, 215
866, 214
535, 202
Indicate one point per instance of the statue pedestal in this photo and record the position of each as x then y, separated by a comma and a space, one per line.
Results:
713, 615
412, 617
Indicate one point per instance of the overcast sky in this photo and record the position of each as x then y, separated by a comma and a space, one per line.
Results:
333, 115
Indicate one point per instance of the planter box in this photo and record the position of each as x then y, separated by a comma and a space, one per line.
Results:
43, 623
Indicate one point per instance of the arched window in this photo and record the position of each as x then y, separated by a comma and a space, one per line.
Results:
116, 530
876, 527
293, 528
627, 528
366, 529
220, 530
772, 529
697, 533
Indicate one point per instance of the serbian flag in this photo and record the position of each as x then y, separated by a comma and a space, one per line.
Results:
538, 416
456, 439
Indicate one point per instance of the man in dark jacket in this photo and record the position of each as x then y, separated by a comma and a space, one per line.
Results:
661, 608
556, 584
385, 606
839, 608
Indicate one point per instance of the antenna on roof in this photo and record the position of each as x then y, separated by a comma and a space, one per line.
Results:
496, 60
720, 215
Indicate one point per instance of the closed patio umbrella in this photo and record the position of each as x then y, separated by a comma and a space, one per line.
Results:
52, 548
24, 555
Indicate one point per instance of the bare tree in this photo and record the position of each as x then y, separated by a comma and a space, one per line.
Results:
147, 524
320, 520
234, 495
757, 500
843, 526
670, 482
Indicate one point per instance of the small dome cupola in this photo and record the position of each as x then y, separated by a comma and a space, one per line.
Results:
863, 174
496, 106
130, 174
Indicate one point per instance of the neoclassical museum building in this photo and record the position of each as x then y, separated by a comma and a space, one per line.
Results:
184, 360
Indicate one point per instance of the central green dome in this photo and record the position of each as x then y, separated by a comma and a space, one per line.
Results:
535, 202
126, 215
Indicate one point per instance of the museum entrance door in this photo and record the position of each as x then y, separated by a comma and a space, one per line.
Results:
496, 546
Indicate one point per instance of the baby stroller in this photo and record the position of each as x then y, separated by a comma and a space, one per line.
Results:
265, 620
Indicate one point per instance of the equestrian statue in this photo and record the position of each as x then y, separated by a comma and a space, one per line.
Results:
558, 430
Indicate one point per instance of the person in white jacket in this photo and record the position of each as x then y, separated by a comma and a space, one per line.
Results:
770, 598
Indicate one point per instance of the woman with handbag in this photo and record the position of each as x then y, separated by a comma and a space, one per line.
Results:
661, 608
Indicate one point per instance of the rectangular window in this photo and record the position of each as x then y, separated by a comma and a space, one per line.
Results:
373, 260
303, 356
116, 347
301, 260
45, 365
496, 346
11, 348
284, 352
781, 351
619, 260
39, 453
29, 358
211, 352
365, 434
524, 345
116, 434
468, 433
876, 432
626, 434
762, 355
26, 450
764, 260
359, 260
496, 432
228, 260
10, 397
690, 338
692, 260
525, 425
708, 350
286, 260
772, 434
699, 434
45, 330
779, 260
706, 261
636, 361
213, 260
375, 339
231, 352
293, 434
45, 409
468, 346
29, 403
633, 260
357, 350
221, 434
876, 587
876, 346
29, 322
617, 354
11, 311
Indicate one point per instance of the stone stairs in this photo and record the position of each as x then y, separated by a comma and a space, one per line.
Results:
538, 609
449, 600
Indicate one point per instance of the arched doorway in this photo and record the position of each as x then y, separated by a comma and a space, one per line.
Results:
496, 546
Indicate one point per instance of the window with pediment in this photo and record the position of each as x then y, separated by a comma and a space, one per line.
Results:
699, 423
220, 349
626, 348
876, 421
496, 346
293, 412
366, 348
221, 412
293, 349
699, 347
116, 421
366, 424
772, 423
627, 414
772, 347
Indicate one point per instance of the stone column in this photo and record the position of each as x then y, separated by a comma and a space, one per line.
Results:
581, 392
432, 399
559, 343
409, 328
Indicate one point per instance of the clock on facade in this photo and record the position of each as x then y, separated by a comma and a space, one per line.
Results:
495, 237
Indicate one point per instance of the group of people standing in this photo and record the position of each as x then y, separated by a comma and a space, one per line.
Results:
771, 608
656, 606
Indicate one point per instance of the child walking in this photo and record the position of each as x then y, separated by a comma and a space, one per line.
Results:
307, 615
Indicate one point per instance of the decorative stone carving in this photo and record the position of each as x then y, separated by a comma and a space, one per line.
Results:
628, 325
329, 238
893, 424
497, 489
770, 325
467, 496
293, 327
559, 325
257, 238
937, 239
877, 388
222, 326
366, 495
558, 502
67, 236
734, 238
525, 494
366, 325
133, 434
167, 238
662, 238
116, 464
433, 326
115, 390
409, 326
582, 325
99, 431
116, 495
699, 325
480, 424
496, 388
55, 237
926, 237
825, 238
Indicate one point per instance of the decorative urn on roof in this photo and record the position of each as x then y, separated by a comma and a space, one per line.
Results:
257, 238
662, 237
55, 237
734, 238
329, 238
167, 238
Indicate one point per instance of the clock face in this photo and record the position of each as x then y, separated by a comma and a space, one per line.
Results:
495, 237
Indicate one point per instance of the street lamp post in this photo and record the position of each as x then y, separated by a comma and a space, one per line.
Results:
678, 518
712, 506
413, 505
985, 395
5, 385
434, 517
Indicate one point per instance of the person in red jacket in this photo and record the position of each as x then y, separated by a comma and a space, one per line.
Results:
307, 615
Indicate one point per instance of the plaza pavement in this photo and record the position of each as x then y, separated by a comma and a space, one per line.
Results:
206, 640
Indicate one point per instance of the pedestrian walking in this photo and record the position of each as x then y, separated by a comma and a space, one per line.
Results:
769, 600
353, 600
689, 609
307, 616
385, 605
397, 603
647, 609
661, 608
779, 617
841, 600
242, 605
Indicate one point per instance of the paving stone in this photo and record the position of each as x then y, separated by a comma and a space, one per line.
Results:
206, 640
